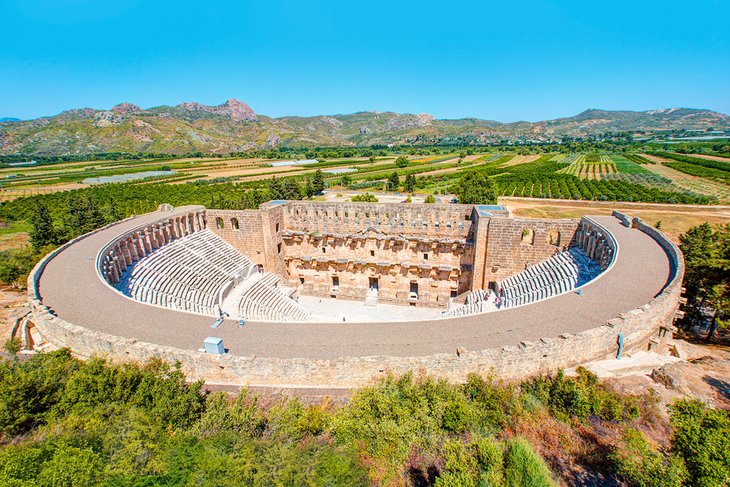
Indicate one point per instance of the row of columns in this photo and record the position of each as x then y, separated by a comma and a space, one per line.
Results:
136, 245
595, 244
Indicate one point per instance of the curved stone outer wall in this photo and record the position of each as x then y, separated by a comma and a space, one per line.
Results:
638, 327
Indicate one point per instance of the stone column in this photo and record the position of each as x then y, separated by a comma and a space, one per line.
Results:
139, 245
178, 228
126, 254
147, 241
132, 246
160, 235
116, 269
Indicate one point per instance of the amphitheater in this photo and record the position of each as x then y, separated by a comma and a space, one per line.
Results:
309, 294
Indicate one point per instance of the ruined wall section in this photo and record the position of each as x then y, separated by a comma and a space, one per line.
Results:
241, 229
272, 229
514, 243
453, 221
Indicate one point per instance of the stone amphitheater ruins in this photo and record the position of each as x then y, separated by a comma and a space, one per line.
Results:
313, 294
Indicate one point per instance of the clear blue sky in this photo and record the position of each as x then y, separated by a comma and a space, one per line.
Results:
515, 60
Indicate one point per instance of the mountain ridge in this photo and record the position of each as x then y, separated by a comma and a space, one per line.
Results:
234, 126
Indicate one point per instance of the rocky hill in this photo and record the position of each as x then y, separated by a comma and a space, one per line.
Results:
234, 126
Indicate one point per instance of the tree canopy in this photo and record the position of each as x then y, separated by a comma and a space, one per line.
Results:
401, 162
318, 184
393, 182
707, 275
476, 188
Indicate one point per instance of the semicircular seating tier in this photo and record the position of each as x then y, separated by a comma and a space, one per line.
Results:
190, 273
263, 299
561, 273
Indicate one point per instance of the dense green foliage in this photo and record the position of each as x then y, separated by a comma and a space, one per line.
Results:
409, 186
401, 162
137, 199
476, 188
58, 217
393, 182
66, 422
364, 198
707, 276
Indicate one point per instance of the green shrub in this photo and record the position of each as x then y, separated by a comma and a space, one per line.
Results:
16, 264
30, 388
364, 198
523, 467
641, 465
71, 466
701, 437
581, 396
494, 402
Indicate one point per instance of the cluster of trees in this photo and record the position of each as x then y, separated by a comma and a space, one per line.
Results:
721, 148
58, 217
67, 422
290, 189
707, 277
476, 188
137, 199
79, 216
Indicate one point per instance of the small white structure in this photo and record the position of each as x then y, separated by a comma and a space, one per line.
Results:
214, 345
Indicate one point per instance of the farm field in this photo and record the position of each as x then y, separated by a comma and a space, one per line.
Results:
696, 166
675, 219
710, 157
575, 176
692, 183
517, 160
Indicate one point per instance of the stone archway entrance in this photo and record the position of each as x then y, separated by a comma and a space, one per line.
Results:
373, 286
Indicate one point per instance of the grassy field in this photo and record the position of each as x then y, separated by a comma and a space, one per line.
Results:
13, 234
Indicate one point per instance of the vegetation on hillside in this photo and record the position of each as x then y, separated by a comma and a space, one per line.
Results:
178, 129
67, 422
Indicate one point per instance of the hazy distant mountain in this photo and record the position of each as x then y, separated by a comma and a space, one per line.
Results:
9, 119
233, 126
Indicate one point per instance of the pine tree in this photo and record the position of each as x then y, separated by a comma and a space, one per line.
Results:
393, 182
410, 184
276, 191
75, 218
113, 212
42, 232
308, 188
318, 184
291, 190
94, 216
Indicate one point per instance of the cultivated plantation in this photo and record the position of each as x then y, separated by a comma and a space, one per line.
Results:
588, 176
